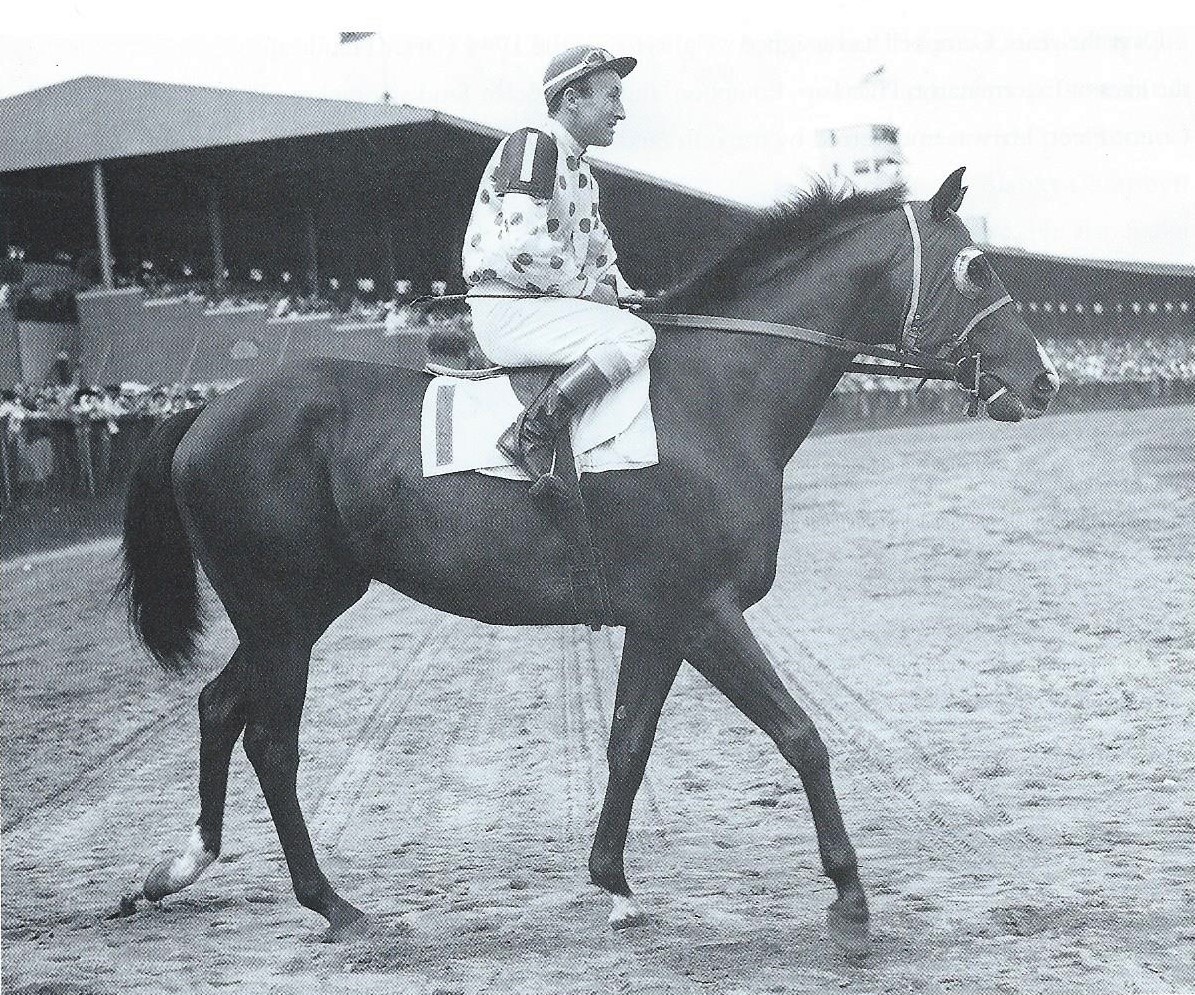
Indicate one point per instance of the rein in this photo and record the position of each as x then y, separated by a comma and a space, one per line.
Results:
899, 362
905, 361
908, 364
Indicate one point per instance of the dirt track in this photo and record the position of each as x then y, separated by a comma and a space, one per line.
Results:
993, 626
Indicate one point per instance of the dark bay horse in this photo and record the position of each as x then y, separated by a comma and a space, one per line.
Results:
296, 490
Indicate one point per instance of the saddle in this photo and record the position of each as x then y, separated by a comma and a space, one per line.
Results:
568, 512
528, 381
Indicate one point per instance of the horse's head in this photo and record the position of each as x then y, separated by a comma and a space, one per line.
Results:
957, 308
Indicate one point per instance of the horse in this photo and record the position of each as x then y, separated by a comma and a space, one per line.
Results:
296, 490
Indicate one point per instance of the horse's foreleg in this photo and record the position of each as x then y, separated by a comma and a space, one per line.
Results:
725, 651
644, 679
279, 686
221, 718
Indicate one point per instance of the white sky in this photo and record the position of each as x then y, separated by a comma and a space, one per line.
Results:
1078, 136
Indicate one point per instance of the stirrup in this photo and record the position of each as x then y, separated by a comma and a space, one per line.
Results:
544, 482
549, 485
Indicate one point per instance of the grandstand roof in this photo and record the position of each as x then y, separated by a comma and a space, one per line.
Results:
96, 118
1113, 265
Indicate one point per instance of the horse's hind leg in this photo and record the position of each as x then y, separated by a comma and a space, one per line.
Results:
726, 653
279, 685
222, 714
644, 679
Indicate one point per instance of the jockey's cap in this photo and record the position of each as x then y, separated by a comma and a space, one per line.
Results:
581, 60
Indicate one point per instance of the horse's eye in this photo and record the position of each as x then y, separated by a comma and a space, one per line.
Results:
972, 273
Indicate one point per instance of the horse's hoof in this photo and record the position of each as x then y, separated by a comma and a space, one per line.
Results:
848, 924
176, 873
626, 914
159, 882
350, 930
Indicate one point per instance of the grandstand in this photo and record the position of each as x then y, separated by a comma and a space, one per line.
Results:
238, 199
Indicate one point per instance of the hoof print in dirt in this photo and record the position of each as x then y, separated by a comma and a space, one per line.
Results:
127, 906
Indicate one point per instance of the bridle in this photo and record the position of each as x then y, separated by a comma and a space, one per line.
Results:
906, 360
959, 365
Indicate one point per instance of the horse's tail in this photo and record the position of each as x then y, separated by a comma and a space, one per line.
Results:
160, 582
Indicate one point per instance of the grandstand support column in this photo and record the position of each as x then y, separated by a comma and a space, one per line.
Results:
312, 249
215, 225
83, 449
102, 237
7, 487
391, 258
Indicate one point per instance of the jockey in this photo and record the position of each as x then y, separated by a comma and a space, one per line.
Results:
536, 230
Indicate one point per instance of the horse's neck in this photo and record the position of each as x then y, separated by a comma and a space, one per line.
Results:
755, 390
747, 391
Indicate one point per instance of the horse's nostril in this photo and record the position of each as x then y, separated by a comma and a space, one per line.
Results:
1046, 384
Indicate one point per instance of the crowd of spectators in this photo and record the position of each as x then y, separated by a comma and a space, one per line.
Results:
47, 432
355, 301
450, 339
32, 300
111, 403
282, 292
1123, 360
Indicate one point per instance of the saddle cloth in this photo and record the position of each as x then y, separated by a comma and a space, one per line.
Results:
463, 417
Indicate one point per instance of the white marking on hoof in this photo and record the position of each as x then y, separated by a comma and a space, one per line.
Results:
626, 913
175, 874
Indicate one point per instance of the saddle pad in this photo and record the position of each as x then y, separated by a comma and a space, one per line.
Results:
462, 419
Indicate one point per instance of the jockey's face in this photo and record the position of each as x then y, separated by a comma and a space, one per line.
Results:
591, 120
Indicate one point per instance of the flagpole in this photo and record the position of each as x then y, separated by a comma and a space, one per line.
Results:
384, 54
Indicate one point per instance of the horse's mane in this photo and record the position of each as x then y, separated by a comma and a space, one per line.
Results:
764, 233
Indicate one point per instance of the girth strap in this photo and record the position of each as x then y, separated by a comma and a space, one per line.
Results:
591, 596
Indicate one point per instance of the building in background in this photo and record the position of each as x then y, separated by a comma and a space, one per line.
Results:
868, 156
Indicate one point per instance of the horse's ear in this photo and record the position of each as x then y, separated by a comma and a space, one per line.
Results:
949, 196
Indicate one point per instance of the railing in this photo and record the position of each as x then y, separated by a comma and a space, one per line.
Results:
867, 409
125, 335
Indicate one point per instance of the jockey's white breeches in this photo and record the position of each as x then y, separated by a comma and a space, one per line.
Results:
560, 330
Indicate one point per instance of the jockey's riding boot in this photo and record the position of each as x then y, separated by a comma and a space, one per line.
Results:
530, 443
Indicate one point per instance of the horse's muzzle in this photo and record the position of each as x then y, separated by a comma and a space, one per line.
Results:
1005, 404
1043, 390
